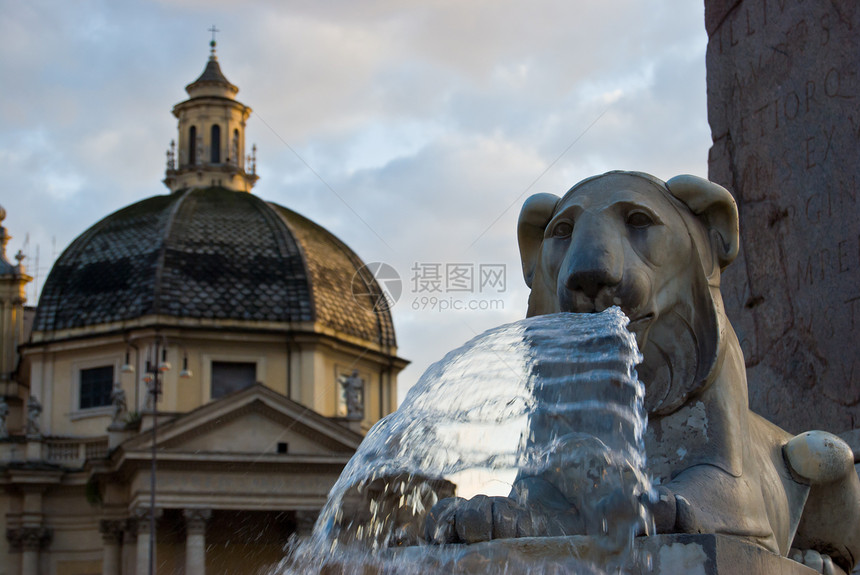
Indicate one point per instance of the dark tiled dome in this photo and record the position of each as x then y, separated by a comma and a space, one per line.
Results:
209, 254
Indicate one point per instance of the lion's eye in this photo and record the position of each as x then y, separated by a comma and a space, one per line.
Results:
562, 230
639, 220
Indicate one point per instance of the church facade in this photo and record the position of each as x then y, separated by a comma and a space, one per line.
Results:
195, 375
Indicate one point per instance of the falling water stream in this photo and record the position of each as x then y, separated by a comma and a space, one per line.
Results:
551, 400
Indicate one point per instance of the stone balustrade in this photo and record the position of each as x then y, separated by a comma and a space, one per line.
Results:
65, 451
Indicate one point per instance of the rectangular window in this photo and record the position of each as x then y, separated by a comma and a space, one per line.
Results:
230, 376
96, 385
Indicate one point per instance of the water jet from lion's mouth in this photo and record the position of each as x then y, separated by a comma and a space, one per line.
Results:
554, 397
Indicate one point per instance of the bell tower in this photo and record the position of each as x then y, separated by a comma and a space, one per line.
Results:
210, 148
13, 280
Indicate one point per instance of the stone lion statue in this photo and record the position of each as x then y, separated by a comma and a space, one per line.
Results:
657, 249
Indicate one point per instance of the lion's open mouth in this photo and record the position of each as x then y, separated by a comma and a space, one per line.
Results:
639, 328
583, 304
644, 320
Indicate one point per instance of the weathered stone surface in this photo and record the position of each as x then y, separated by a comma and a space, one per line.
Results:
783, 93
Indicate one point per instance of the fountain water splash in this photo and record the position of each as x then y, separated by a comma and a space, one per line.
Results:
546, 403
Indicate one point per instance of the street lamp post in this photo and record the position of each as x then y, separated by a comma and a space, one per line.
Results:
154, 379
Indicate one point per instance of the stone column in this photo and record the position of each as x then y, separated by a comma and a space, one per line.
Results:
144, 527
30, 555
195, 543
128, 552
111, 530
29, 541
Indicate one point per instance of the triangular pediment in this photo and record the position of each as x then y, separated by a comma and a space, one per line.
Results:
255, 420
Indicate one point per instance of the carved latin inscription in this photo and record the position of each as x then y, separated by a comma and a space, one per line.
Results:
783, 89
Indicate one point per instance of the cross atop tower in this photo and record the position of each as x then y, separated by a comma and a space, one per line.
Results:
214, 31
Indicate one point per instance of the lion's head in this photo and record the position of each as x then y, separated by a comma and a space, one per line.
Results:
654, 248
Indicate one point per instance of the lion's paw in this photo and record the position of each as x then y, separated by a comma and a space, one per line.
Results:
482, 518
818, 457
820, 562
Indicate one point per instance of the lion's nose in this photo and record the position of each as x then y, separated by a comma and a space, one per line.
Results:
594, 264
590, 280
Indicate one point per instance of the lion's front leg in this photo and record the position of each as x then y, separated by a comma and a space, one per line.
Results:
706, 499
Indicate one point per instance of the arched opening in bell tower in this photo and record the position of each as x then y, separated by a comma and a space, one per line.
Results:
234, 149
215, 144
192, 145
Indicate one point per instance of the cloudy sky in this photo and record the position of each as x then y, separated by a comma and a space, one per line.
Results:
411, 130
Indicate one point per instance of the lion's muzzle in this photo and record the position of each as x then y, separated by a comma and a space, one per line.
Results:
594, 262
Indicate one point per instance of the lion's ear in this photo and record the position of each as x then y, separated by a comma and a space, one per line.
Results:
716, 207
536, 213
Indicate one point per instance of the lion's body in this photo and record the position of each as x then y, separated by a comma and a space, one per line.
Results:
657, 250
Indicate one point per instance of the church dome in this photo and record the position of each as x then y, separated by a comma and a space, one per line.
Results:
205, 257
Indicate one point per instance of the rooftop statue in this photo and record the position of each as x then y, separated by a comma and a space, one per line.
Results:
34, 411
119, 404
656, 249
353, 390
